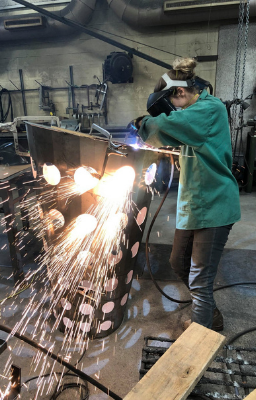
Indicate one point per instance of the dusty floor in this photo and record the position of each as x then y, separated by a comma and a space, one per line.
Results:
115, 360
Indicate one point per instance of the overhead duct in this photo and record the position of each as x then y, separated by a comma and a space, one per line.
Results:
158, 12
134, 12
26, 26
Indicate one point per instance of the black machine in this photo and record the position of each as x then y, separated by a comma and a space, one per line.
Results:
159, 102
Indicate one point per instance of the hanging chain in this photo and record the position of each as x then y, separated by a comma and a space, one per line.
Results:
242, 36
239, 48
245, 45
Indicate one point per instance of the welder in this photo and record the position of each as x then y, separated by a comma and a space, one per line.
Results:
185, 115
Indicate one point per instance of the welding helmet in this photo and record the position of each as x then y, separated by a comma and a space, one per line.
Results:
159, 102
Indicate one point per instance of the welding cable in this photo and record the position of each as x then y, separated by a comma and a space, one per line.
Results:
148, 235
71, 385
57, 391
238, 335
147, 249
233, 284
61, 361
66, 386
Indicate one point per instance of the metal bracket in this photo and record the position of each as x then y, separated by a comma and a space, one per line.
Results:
12, 127
112, 147
45, 103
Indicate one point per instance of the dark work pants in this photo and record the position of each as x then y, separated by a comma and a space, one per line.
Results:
195, 258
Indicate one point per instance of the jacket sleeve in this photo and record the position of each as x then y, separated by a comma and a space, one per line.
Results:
179, 128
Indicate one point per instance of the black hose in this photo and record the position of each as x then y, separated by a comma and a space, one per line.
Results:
57, 391
63, 387
3, 116
60, 360
148, 234
147, 249
241, 334
233, 284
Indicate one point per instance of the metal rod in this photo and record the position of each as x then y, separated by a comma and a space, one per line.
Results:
23, 92
94, 34
72, 85
14, 86
48, 88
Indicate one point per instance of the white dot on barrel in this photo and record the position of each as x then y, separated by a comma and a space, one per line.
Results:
108, 307
135, 249
85, 309
105, 325
65, 304
141, 216
129, 277
111, 284
67, 322
124, 299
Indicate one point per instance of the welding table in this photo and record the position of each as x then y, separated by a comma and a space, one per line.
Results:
11, 177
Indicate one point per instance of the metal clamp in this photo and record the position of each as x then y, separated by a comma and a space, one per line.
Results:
112, 146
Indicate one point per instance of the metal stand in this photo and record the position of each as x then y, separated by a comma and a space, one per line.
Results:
97, 103
250, 159
8, 204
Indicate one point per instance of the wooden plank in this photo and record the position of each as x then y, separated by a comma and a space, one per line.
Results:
251, 396
179, 369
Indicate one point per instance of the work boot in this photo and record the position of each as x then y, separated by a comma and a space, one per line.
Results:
217, 322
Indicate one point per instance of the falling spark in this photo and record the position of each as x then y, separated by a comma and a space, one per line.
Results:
97, 376
66, 262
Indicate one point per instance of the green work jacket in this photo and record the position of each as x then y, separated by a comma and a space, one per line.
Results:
208, 194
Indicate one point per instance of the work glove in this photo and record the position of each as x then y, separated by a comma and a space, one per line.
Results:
134, 125
137, 121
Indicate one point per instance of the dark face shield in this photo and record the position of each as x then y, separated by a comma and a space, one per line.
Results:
159, 103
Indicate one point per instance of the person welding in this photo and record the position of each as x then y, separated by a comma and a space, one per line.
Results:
185, 115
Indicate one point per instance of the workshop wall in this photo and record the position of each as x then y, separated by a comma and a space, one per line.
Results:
48, 62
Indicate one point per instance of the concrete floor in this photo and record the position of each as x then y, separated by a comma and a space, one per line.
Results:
115, 360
